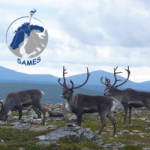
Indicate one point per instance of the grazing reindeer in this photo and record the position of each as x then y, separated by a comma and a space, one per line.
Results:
18, 100
80, 103
128, 98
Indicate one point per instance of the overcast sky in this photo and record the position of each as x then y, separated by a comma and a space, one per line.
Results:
98, 34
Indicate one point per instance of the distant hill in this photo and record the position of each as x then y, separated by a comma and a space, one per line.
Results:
52, 92
8, 75
93, 84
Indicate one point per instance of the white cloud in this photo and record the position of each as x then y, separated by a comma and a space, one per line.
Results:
100, 34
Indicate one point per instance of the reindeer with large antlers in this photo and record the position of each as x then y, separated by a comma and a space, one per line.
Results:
80, 103
128, 98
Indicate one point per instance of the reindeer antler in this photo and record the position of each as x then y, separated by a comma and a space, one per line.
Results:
128, 71
107, 81
88, 74
115, 73
102, 81
73, 87
64, 84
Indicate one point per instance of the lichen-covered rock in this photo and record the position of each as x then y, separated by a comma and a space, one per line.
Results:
54, 113
21, 126
38, 128
70, 117
99, 142
79, 133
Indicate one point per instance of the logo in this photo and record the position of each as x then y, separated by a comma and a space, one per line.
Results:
26, 38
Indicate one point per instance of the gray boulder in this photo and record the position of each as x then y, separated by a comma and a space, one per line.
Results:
54, 113
77, 132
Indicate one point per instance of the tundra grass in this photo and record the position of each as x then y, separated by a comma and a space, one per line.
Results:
13, 139
130, 141
73, 144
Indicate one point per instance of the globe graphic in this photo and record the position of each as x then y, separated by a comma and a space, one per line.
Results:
25, 38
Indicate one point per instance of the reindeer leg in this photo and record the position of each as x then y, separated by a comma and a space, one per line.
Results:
111, 118
79, 119
125, 115
20, 113
38, 105
79, 114
130, 113
37, 111
44, 113
103, 125
102, 116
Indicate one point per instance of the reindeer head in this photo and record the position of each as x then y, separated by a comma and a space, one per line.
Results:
68, 91
3, 117
111, 89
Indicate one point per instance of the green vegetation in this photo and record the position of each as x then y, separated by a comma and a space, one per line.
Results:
72, 144
13, 139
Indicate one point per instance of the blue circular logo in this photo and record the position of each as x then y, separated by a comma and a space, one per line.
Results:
26, 37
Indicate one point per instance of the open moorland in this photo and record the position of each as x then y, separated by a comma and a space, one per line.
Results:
29, 134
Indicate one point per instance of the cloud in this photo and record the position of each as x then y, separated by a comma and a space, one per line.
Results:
79, 24
101, 34
112, 23
125, 22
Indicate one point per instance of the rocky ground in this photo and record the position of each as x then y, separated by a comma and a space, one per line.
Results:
61, 125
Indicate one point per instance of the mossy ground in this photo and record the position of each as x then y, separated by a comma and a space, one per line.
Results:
13, 139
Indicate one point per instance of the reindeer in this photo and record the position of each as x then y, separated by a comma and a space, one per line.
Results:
18, 100
80, 103
128, 98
